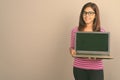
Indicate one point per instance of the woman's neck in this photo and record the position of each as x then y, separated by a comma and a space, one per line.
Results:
88, 27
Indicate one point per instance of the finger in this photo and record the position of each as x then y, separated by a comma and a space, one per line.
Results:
74, 52
89, 57
95, 58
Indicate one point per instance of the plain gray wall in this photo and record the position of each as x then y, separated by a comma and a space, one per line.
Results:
35, 37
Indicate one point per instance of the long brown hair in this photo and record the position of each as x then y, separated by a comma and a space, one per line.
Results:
96, 23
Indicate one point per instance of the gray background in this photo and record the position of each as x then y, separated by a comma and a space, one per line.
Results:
35, 38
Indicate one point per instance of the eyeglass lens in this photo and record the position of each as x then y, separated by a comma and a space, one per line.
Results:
89, 13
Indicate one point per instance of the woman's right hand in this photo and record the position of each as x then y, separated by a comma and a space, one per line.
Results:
72, 52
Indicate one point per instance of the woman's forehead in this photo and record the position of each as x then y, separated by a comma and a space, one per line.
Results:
88, 9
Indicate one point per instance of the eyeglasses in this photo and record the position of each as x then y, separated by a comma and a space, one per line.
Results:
90, 13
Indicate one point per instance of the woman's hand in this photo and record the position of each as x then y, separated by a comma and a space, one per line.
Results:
72, 52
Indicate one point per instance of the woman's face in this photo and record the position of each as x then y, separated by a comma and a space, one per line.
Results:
88, 15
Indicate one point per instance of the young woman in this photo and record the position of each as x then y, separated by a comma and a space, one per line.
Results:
87, 68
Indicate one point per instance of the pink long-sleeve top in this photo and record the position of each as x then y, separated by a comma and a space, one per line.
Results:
85, 63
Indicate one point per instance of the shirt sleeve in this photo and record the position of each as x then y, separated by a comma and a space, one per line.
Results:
102, 30
73, 33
